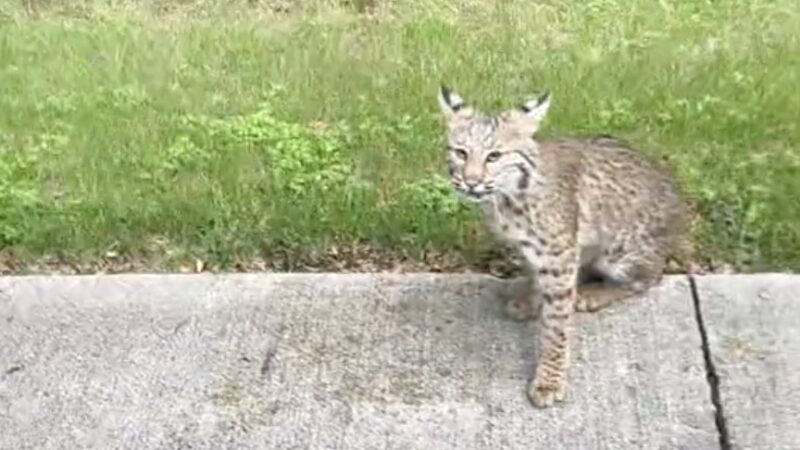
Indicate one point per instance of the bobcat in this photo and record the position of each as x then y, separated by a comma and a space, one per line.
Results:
594, 220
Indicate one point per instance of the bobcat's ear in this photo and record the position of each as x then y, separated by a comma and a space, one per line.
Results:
526, 118
452, 105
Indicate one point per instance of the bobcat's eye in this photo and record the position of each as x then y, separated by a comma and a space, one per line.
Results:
493, 156
460, 152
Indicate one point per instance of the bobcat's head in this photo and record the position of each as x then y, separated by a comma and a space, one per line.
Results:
491, 153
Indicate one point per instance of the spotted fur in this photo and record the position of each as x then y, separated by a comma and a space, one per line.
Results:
594, 220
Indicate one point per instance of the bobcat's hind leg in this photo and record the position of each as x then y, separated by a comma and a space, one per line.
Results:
619, 279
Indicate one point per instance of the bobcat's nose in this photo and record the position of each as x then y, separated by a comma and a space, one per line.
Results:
471, 182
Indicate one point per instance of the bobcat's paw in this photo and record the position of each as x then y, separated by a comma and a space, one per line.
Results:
584, 304
545, 393
593, 298
521, 308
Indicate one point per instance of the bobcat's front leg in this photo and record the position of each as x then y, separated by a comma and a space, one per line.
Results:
556, 274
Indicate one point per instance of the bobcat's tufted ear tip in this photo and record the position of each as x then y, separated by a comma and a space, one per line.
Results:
528, 116
544, 97
541, 102
451, 103
450, 98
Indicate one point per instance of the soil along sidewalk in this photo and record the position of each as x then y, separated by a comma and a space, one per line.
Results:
357, 361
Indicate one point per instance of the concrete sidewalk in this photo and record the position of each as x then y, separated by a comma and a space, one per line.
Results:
367, 361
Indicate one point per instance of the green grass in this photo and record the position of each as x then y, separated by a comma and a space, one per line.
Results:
179, 130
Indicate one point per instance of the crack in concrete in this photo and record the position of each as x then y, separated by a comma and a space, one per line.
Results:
711, 371
265, 363
13, 369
